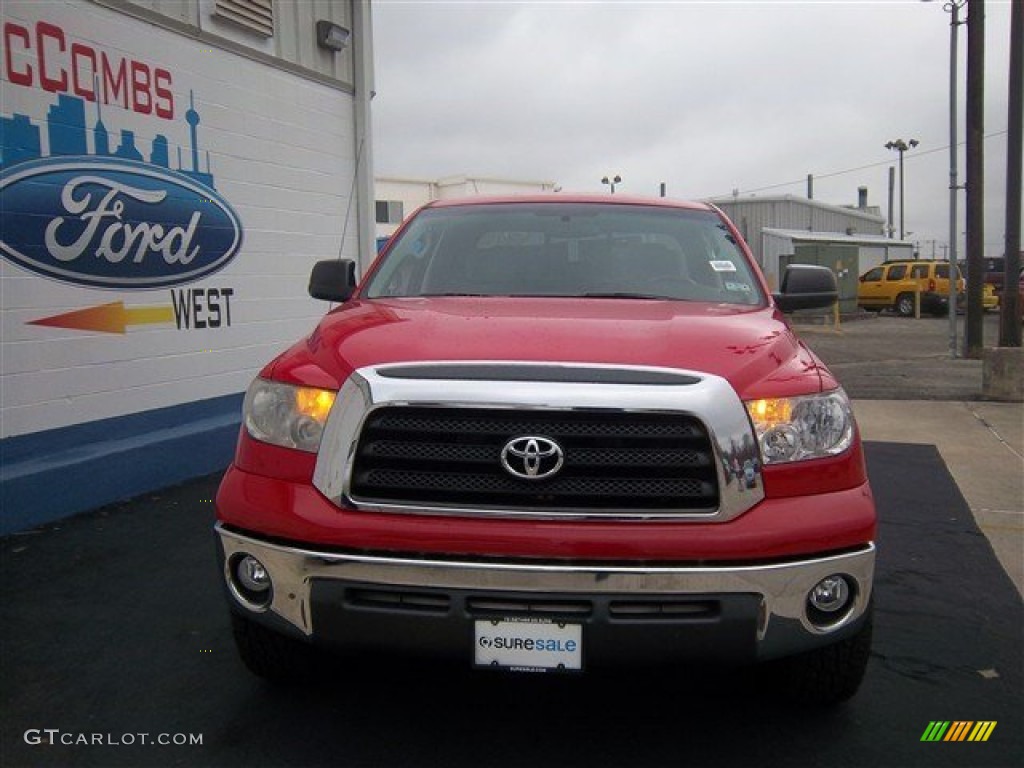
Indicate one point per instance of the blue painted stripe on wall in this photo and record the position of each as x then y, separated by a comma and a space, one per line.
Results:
46, 476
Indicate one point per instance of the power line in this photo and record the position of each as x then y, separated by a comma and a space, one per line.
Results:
817, 176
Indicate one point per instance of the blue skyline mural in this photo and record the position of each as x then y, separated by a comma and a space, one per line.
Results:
67, 134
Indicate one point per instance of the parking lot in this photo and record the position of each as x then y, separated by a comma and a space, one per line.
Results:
116, 634
886, 357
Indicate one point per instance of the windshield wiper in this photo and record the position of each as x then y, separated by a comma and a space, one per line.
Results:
592, 295
626, 295
452, 293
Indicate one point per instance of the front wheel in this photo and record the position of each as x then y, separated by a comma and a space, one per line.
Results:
827, 675
905, 304
273, 656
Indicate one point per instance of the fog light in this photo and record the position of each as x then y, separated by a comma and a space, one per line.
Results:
252, 575
831, 594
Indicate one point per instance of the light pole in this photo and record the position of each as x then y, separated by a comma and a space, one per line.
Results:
953, 8
901, 146
616, 179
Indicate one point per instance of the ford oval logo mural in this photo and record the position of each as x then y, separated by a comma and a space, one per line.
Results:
114, 223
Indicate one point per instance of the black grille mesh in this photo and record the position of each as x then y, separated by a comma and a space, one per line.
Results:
614, 461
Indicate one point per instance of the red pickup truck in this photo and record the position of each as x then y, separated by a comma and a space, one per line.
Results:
551, 434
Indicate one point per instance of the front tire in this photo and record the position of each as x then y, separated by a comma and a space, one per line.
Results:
825, 676
905, 305
273, 656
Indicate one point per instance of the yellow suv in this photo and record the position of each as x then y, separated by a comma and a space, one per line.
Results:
892, 285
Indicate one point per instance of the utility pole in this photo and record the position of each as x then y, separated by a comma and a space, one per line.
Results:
975, 329
1009, 322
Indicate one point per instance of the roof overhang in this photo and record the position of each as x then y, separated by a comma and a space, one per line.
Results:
803, 236
803, 201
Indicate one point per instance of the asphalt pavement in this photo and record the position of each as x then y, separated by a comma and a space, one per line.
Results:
886, 357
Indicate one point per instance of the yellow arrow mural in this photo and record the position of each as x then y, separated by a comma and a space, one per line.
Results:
108, 318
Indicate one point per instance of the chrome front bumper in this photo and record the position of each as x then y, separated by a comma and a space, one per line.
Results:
782, 625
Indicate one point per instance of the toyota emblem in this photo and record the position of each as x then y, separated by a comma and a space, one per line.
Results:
532, 458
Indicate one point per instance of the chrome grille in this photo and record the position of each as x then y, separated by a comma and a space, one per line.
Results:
614, 461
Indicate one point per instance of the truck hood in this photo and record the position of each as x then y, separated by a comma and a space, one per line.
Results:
752, 347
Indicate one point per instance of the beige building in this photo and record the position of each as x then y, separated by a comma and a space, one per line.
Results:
396, 198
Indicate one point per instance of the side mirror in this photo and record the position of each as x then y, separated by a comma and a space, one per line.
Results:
807, 287
333, 280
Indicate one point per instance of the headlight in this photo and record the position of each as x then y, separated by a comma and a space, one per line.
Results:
287, 415
797, 428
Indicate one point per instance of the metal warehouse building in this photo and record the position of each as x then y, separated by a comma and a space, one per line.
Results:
752, 215
785, 229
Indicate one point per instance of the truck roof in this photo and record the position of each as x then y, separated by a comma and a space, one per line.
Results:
560, 197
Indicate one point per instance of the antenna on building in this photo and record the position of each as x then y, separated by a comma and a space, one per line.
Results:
101, 139
96, 93
192, 118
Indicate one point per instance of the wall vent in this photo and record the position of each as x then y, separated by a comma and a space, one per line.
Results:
255, 15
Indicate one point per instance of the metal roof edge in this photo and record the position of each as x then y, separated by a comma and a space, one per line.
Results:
865, 239
720, 201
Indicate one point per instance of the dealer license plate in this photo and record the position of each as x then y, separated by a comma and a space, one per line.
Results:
528, 645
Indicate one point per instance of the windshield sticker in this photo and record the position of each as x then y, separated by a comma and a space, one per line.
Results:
722, 266
743, 287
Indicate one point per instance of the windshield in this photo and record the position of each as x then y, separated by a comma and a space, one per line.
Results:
567, 249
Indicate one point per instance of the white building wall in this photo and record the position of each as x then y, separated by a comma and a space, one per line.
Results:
293, 21
413, 193
461, 186
281, 153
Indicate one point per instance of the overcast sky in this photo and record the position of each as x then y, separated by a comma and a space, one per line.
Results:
708, 97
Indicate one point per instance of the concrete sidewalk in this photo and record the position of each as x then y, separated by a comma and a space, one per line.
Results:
982, 444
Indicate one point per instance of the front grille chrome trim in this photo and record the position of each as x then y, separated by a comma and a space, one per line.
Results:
709, 399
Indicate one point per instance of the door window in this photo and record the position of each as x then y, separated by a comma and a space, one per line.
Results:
872, 275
